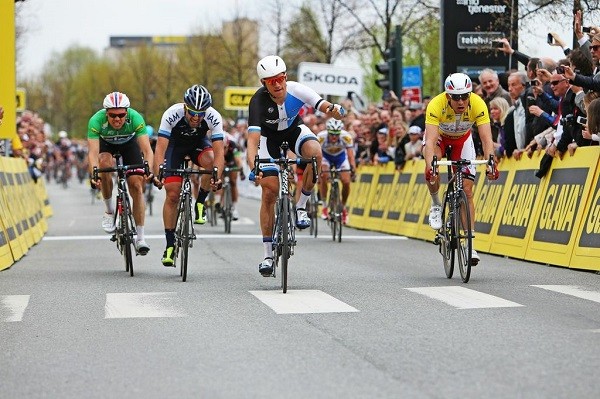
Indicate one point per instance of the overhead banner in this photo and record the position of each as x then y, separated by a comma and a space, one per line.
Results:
328, 79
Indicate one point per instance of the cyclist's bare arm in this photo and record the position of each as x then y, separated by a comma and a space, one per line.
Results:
144, 143
431, 138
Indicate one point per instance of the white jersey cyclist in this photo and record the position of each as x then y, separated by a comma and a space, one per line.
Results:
335, 152
174, 127
279, 123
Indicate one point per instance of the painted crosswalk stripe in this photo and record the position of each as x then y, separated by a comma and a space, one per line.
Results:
302, 301
142, 304
573, 291
464, 298
12, 307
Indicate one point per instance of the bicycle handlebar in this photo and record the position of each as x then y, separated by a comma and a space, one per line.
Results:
461, 162
186, 172
287, 161
121, 169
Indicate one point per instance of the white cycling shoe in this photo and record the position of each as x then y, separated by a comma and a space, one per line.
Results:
474, 258
435, 217
108, 223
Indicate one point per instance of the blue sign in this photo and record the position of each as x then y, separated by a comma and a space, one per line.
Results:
411, 76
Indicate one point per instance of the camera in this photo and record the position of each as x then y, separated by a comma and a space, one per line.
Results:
534, 82
566, 119
582, 120
497, 44
586, 29
530, 101
560, 69
540, 65
550, 38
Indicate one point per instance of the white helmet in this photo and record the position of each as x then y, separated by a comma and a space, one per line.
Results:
116, 100
270, 66
334, 125
62, 134
458, 83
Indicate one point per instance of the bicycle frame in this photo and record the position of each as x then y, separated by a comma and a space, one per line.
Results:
284, 239
123, 218
455, 238
184, 227
334, 205
227, 198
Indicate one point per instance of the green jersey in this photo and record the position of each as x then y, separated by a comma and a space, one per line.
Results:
98, 127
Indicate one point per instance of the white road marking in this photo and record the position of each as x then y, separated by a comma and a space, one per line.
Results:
464, 298
302, 301
225, 237
573, 291
12, 307
140, 304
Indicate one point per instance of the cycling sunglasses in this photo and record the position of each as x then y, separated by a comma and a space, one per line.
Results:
194, 112
114, 116
275, 80
458, 97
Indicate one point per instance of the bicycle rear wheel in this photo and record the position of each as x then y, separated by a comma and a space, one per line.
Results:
445, 237
285, 243
227, 211
127, 237
333, 210
464, 237
184, 235
313, 213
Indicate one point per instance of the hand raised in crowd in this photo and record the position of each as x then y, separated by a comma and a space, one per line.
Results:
506, 48
577, 28
569, 73
535, 110
558, 41
543, 75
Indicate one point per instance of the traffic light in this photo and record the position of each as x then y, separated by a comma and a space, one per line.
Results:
387, 68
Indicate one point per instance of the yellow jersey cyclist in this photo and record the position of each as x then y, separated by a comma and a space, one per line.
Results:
449, 118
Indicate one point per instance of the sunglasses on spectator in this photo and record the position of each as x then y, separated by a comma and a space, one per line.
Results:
275, 80
555, 82
595, 47
458, 97
115, 116
194, 112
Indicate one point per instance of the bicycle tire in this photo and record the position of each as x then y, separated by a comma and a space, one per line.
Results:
445, 237
285, 243
227, 212
149, 198
314, 214
333, 210
127, 235
464, 237
185, 235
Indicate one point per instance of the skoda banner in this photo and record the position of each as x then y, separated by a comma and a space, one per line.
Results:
327, 79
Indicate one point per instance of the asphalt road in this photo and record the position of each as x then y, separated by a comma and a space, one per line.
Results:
371, 317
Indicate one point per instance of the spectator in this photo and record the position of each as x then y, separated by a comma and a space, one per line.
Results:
380, 148
417, 115
414, 148
499, 108
592, 129
491, 86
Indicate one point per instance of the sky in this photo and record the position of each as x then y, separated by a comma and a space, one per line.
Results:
55, 25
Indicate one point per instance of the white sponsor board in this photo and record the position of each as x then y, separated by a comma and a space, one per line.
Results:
327, 79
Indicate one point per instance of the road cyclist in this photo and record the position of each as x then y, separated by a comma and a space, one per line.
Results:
184, 131
449, 119
338, 150
274, 117
118, 128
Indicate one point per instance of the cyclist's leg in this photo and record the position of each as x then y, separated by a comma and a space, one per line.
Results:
468, 152
204, 157
234, 194
435, 212
307, 145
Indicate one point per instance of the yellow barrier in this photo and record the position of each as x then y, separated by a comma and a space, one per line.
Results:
553, 220
22, 211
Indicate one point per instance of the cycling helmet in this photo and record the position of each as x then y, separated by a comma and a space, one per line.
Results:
62, 134
197, 97
458, 83
116, 100
269, 66
334, 125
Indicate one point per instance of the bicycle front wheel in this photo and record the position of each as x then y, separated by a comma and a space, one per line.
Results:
285, 243
314, 214
227, 212
445, 237
184, 234
127, 237
464, 236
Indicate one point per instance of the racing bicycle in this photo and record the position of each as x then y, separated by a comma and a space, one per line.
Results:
455, 238
184, 229
123, 219
227, 197
313, 212
335, 206
284, 237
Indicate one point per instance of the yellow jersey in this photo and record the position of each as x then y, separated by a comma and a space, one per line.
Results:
453, 126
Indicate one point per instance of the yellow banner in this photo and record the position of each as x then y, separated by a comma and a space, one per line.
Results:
238, 98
